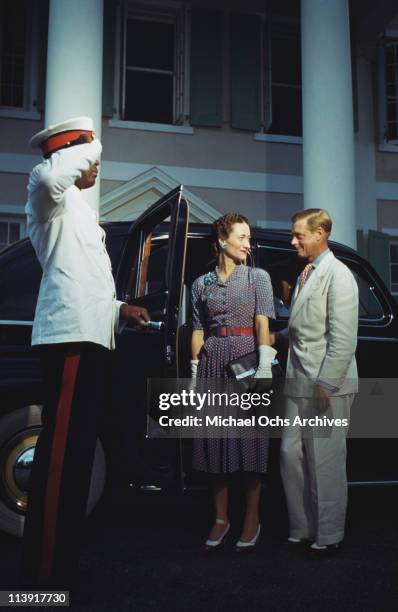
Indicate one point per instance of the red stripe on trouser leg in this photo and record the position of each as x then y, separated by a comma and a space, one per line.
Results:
56, 464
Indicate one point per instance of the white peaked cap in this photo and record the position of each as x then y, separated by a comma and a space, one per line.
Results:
76, 124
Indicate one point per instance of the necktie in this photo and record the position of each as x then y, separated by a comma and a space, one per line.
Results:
304, 275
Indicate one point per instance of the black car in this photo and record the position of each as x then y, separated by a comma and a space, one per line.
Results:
155, 261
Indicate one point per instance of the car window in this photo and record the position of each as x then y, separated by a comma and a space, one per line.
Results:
156, 271
370, 307
201, 258
153, 266
284, 267
20, 275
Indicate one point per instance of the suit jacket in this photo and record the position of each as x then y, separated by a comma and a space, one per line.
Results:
322, 331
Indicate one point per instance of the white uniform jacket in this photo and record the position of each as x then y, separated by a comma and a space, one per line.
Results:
322, 331
77, 299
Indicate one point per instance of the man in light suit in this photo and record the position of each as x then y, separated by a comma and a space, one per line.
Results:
321, 380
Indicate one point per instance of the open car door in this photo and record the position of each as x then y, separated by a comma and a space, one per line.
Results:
150, 274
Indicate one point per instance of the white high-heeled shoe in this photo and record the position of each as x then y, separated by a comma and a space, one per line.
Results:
214, 544
246, 546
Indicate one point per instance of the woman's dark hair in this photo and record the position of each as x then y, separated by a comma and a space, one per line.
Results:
222, 227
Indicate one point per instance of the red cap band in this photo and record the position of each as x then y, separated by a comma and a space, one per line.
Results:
60, 140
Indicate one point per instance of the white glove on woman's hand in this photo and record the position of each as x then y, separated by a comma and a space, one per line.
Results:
194, 368
266, 357
191, 385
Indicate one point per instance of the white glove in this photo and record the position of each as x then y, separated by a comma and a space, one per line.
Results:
194, 368
266, 357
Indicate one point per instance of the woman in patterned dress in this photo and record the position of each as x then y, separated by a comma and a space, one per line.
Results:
238, 299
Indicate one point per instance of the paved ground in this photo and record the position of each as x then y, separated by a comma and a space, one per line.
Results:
151, 557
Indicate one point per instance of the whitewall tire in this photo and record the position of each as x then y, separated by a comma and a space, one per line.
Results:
19, 431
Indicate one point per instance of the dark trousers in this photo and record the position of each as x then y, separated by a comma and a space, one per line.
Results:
74, 385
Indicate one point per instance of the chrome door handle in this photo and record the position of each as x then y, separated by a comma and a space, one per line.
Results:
157, 325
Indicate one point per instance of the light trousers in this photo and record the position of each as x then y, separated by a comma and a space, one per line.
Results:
313, 469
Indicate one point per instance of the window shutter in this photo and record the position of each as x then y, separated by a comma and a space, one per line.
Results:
379, 254
108, 66
43, 9
389, 79
246, 72
206, 68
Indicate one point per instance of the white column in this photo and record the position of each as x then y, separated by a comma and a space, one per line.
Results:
74, 66
328, 137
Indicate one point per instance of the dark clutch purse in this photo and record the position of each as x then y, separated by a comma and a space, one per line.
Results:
243, 369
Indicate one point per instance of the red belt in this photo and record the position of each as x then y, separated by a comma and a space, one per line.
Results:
225, 330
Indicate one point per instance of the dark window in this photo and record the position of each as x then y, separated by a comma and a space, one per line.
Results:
150, 45
13, 32
285, 82
149, 71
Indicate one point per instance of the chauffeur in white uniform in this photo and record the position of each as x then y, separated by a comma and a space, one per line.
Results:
76, 316
321, 380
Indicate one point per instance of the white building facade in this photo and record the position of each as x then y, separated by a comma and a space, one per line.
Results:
261, 107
